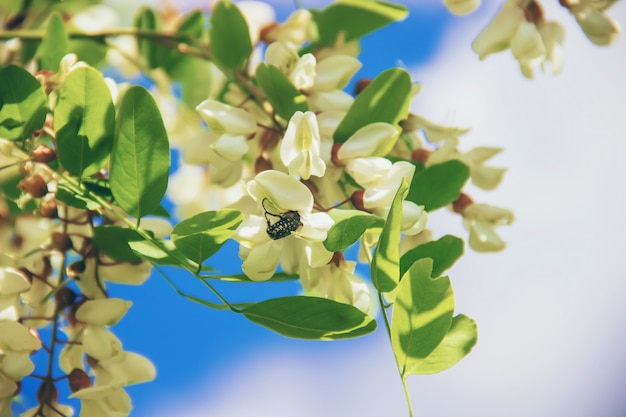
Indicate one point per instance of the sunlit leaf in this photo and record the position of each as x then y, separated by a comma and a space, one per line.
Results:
200, 236
348, 227
422, 314
114, 241
22, 103
310, 318
280, 92
54, 44
84, 121
444, 253
230, 37
355, 18
457, 343
386, 99
140, 160
386, 262
438, 185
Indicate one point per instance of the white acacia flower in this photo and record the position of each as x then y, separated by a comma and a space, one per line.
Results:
222, 118
338, 282
300, 147
99, 342
482, 220
432, 131
12, 283
16, 345
279, 194
531, 38
49, 410
294, 31
592, 19
299, 69
370, 140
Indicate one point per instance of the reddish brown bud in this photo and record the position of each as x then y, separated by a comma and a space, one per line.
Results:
337, 258
60, 241
47, 393
533, 13
34, 185
64, 298
76, 268
420, 155
48, 208
461, 203
266, 32
43, 154
78, 379
262, 164
333, 155
362, 85
357, 200
269, 139
409, 124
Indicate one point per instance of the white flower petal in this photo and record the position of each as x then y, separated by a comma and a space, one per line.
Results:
102, 312
373, 139
232, 148
283, 191
335, 72
262, 260
222, 118
99, 343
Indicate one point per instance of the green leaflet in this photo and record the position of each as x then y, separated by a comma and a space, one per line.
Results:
114, 241
385, 268
444, 253
456, 344
54, 45
140, 160
230, 37
84, 121
422, 314
310, 318
355, 18
22, 103
283, 96
386, 99
200, 236
349, 226
438, 185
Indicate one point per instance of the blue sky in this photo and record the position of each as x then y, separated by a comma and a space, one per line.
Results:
549, 308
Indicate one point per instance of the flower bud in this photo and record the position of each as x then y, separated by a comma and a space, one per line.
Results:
34, 185
43, 154
420, 155
533, 13
60, 241
357, 200
361, 85
461, 203
48, 208
333, 155
64, 298
78, 379
47, 393
76, 268
262, 164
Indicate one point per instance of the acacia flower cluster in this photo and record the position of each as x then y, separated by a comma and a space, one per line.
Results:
282, 148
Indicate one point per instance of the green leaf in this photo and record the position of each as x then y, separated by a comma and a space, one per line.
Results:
310, 318
280, 92
140, 160
194, 25
422, 314
65, 195
92, 51
54, 45
114, 241
153, 54
230, 37
438, 185
153, 253
444, 253
277, 277
355, 18
84, 121
456, 344
200, 236
386, 99
386, 263
22, 103
349, 226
